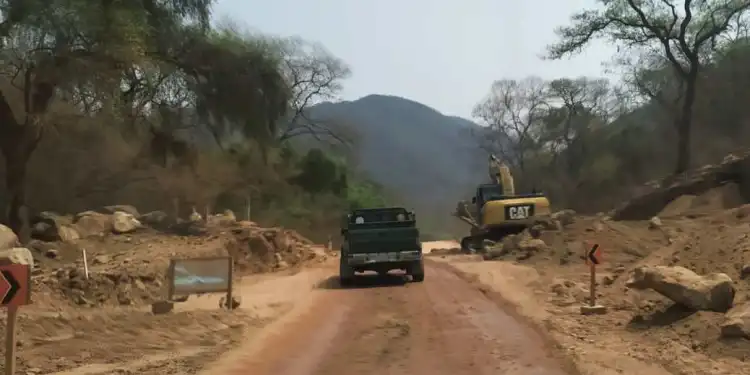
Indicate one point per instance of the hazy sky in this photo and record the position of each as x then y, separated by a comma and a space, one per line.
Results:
443, 53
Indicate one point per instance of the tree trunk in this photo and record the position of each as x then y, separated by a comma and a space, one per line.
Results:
17, 149
683, 145
15, 182
684, 124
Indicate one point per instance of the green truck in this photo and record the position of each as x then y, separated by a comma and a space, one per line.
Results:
380, 240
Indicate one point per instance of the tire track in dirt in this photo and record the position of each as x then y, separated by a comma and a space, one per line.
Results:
442, 326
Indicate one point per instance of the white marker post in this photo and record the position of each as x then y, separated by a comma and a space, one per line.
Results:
85, 264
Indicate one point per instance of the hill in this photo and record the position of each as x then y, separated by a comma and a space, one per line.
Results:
426, 159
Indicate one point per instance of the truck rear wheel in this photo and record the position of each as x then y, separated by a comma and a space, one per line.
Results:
346, 273
417, 271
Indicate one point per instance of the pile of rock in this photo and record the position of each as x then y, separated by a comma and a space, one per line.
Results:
528, 243
257, 249
118, 219
104, 288
522, 246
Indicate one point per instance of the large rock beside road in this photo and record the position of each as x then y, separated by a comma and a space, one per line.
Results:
91, 223
123, 222
8, 239
50, 226
737, 323
714, 292
16, 255
565, 217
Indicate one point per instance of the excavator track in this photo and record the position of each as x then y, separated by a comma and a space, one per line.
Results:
475, 242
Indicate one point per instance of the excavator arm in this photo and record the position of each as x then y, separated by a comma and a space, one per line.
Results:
500, 174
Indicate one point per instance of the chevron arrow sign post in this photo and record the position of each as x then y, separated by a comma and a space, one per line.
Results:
15, 291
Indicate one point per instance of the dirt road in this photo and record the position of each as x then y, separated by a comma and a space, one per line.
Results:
442, 326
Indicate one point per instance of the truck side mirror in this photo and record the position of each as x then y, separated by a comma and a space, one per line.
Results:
473, 199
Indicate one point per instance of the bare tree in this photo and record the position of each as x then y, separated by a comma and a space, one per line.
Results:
682, 34
512, 113
314, 75
577, 106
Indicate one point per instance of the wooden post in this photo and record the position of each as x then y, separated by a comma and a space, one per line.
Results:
592, 296
170, 277
230, 285
593, 257
10, 341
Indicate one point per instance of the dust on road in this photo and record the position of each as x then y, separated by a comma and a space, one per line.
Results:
442, 326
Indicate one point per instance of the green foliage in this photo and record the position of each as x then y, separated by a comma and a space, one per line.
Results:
158, 66
324, 173
679, 37
364, 194
318, 173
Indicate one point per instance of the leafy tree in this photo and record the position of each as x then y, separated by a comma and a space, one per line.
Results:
318, 173
63, 44
146, 60
682, 35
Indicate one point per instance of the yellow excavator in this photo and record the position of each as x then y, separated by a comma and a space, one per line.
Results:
497, 211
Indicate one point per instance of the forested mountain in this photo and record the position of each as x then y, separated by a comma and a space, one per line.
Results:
427, 160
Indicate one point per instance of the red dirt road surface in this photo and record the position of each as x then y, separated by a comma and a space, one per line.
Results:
445, 325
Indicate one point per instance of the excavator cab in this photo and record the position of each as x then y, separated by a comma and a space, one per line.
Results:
486, 193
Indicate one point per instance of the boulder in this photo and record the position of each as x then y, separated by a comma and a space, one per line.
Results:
50, 232
92, 223
50, 226
8, 239
225, 218
714, 292
155, 219
16, 255
737, 322
123, 222
654, 223
532, 245
565, 217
